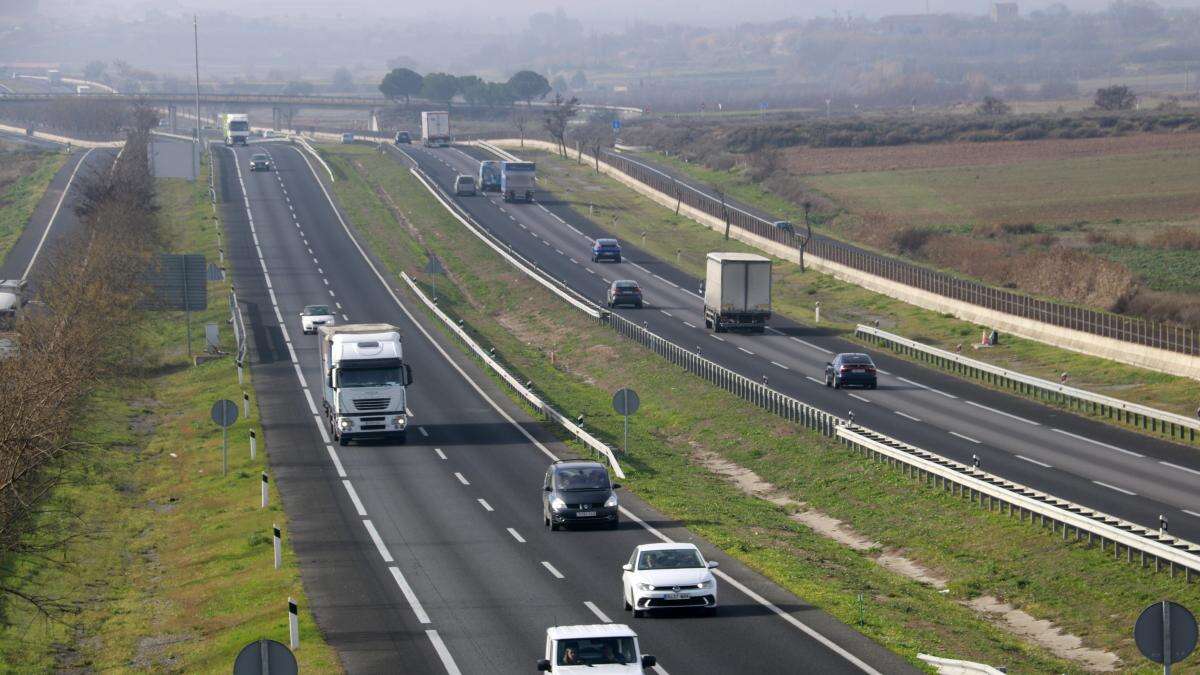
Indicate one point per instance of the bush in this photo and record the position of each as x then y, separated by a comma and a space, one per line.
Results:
910, 240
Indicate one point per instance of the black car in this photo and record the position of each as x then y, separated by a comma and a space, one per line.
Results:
260, 162
403, 138
577, 492
606, 249
850, 370
625, 292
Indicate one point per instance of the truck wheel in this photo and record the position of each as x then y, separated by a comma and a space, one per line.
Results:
342, 440
707, 323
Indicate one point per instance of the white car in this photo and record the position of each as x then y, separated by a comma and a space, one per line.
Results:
314, 316
662, 576
598, 649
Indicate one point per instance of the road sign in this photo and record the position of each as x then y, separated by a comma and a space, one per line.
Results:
1165, 633
616, 125
265, 656
224, 413
626, 402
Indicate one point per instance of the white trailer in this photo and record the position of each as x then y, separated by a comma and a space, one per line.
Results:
365, 382
737, 292
235, 128
435, 128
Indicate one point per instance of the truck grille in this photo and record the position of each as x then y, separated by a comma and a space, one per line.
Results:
365, 404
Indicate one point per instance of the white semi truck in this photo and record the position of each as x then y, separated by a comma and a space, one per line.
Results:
235, 128
518, 181
435, 128
365, 392
737, 292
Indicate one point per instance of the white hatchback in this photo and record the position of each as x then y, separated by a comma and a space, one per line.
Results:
315, 316
662, 576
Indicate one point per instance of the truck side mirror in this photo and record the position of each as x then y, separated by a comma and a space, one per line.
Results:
543, 666
648, 661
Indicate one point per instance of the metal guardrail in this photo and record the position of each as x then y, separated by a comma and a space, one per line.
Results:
1133, 414
992, 491
1165, 336
532, 398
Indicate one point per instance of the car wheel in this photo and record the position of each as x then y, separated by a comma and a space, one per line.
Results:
828, 381
625, 602
874, 385
616, 523
545, 519
639, 305
837, 384
639, 613
554, 527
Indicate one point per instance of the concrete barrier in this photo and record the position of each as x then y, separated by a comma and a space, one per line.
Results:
1142, 356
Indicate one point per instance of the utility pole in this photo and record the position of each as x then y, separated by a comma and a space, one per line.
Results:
199, 134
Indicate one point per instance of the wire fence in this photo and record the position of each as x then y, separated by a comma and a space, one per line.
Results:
1159, 335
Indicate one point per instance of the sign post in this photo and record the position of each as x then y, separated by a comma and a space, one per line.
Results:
626, 403
1165, 633
224, 414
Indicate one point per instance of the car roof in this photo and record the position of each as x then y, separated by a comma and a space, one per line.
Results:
574, 463
606, 240
595, 630
625, 282
667, 547
308, 307
853, 354
258, 155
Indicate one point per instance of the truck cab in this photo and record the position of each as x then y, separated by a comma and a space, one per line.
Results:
596, 649
489, 175
365, 388
235, 128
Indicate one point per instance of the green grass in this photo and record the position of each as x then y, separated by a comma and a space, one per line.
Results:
31, 174
681, 416
172, 568
1162, 270
628, 215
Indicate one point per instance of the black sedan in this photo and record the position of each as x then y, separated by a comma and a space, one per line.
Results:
625, 292
850, 370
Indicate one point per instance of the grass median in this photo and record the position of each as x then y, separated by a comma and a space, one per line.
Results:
24, 177
170, 568
636, 219
683, 421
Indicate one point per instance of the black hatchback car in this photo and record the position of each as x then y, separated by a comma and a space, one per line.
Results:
850, 370
625, 292
606, 249
578, 492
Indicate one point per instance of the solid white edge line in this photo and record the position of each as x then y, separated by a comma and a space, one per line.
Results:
387, 556
1034, 461
552, 570
54, 215
1114, 487
411, 597
443, 653
1001, 412
358, 505
596, 610
803, 627
1101, 444
965, 438
1181, 468
516, 535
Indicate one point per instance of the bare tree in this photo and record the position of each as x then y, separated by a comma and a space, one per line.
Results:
558, 114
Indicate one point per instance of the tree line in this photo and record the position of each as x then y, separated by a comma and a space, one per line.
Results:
405, 83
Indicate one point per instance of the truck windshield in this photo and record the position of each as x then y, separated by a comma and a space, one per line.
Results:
596, 651
238, 125
369, 377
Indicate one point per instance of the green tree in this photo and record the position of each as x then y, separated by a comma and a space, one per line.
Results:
993, 106
1116, 97
498, 94
528, 85
401, 82
472, 88
440, 87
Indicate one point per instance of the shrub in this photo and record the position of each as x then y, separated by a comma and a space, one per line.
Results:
910, 240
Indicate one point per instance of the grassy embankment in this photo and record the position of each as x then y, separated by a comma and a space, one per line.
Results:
684, 419
628, 215
24, 177
171, 569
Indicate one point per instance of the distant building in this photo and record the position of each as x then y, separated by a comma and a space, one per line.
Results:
1004, 12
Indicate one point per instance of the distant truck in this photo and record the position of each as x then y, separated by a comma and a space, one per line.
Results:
365, 388
489, 176
517, 180
235, 128
435, 128
737, 292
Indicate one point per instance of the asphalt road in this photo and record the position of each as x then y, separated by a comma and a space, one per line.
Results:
436, 550
54, 215
1121, 472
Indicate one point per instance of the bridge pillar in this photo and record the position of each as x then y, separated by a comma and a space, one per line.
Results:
373, 124
275, 115
173, 118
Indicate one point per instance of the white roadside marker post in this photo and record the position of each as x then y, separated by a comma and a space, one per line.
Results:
278, 546
253, 443
264, 489
293, 624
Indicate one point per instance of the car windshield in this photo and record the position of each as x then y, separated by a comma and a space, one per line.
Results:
259, 158
596, 651
316, 310
627, 285
670, 559
606, 242
581, 478
856, 359
368, 377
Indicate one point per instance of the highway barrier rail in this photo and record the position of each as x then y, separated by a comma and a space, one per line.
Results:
1152, 547
1157, 335
1140, 416
526, 393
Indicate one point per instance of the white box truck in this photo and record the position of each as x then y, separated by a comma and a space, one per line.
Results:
517, 181
435, 128
365, 389
737, 292
235, 128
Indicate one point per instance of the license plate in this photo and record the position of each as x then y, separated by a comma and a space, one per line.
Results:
585, 514
859, 370
674, 596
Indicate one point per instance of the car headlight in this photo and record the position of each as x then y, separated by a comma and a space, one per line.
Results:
558, 504
345, 423
645, 587
401, 421
707, 583
611, 502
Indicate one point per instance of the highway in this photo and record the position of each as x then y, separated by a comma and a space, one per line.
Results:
432, 556
1121, 472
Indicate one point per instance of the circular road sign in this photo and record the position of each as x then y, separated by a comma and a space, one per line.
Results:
1154, 641
626, 401
265, 656
224, 413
